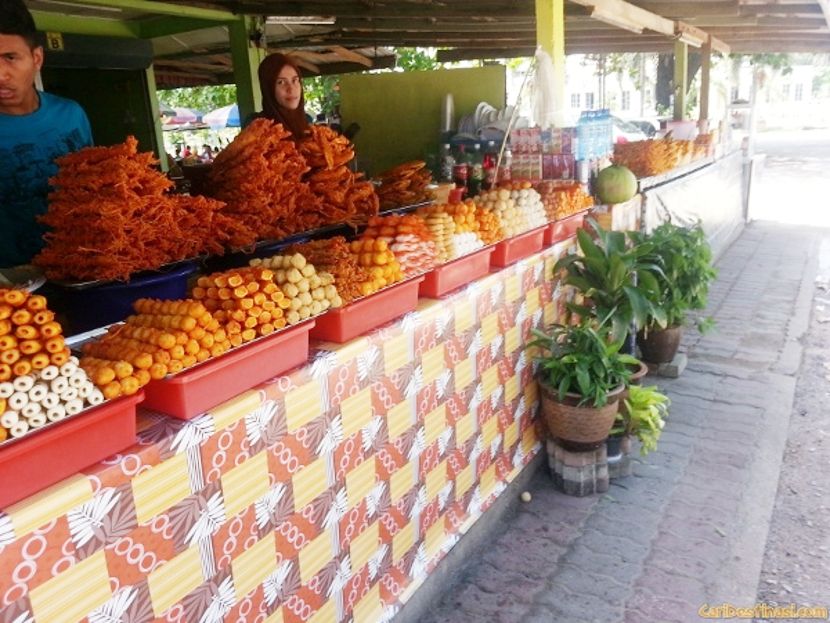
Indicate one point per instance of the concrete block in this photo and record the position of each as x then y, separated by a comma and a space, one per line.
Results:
671, 370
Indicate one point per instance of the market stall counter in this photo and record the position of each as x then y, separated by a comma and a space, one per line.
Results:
328, 493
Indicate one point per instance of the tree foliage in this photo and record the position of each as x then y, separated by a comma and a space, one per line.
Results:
322, 94
417, 59
203, 99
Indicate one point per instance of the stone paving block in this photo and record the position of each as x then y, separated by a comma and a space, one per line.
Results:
580, 606
662, 609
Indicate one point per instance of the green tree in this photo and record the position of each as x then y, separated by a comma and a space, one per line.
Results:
203, 99
322, 94
417, 59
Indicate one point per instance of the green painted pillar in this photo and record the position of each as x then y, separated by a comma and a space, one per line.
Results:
246, 59
681, 72
550, 36
152, 97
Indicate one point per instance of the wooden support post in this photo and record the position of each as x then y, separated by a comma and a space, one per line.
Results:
681, 71
550, 35
246, 59
705, 85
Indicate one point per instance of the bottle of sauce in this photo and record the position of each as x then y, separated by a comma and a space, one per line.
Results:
460, 172
447, 164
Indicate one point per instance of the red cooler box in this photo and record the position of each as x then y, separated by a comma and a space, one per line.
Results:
445, 278
43, 458
194, 391
361, 316
518, 247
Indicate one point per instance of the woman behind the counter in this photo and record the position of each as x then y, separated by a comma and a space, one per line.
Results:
282, 94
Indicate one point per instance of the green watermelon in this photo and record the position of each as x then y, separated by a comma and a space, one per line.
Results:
615, 184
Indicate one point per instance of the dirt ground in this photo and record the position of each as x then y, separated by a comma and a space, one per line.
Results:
797, 559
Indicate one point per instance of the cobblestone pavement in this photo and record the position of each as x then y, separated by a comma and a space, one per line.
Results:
690, 526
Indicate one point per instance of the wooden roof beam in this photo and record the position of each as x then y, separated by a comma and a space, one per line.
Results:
627, 13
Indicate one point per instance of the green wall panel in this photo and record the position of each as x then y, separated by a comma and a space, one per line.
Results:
400, 113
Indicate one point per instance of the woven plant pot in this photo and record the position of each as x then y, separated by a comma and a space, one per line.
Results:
582, 428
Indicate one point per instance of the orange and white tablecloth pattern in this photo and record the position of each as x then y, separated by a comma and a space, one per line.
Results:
326, 495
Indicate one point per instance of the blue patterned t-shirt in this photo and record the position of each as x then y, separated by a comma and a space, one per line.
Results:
29, 145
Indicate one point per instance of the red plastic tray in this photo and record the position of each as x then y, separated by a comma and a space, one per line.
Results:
361, 316
446, 278
563, 229
43, 458
518, 247
192, 392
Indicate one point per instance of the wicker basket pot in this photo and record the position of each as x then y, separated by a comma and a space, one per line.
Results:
583, 427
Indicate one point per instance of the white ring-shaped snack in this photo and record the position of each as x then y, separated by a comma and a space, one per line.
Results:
70, 393
31, 410
96, 397
50, 400
74, 406
73, 359
85, 390
17, 401
50, 372
38, 420
23, 383
68, 369
53, 414
59, 385
6, 389
77, 380
38, 392
9, 419
20, 428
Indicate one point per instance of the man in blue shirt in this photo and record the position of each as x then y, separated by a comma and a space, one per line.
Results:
35, 128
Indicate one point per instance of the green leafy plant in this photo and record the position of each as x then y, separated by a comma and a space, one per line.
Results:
685, 259
643, 415
580, 359
617, 280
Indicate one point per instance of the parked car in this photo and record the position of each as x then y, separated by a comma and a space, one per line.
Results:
625, 132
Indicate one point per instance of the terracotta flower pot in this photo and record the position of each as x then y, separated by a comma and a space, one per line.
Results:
579, 428
660, 345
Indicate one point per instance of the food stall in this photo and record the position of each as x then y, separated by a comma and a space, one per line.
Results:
327, 490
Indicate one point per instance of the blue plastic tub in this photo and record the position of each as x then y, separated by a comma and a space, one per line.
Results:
87, 308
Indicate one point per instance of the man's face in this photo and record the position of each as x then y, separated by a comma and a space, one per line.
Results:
19, 65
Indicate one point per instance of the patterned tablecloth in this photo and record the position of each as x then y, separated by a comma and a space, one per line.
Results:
325, 495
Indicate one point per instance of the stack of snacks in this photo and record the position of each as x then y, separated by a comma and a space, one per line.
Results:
30, 401
30, 339
163, 337
403, 185
409, 239
308, 292
561, 199
260, 178
110, 216
442, 228
378, 259
489, 226
529, 204
464, 215
245, 301
333, 255
344, 196
498, 202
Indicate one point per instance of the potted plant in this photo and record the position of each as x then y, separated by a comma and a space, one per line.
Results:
642, 414
685, 262
581, 375
616, 279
